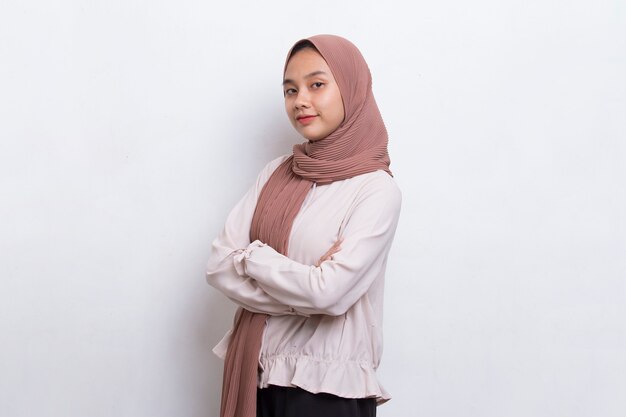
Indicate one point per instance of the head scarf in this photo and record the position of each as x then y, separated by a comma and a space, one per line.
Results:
357, 146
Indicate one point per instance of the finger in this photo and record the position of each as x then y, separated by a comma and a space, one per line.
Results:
336, 246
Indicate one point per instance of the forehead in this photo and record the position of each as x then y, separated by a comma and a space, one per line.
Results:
305, 62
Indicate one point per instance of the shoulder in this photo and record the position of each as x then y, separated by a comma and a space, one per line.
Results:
269, 168
376, 204
381, 187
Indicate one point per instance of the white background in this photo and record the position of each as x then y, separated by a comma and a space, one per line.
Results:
130, 128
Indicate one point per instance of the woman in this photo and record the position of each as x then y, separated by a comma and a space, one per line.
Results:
304, 252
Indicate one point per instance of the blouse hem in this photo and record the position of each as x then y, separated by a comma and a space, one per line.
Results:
347, 379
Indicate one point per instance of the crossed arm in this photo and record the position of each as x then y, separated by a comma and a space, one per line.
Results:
259, 279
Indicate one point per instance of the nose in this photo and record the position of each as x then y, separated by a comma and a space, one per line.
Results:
302, 100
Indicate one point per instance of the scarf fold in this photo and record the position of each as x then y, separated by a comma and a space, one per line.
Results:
357, 146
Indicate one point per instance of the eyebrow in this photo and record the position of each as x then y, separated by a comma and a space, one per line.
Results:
287, 81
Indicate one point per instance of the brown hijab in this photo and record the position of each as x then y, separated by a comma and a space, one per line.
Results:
357, 146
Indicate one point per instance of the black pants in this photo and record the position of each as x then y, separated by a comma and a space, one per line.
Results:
275, 401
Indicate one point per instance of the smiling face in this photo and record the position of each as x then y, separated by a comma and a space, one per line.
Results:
311, 90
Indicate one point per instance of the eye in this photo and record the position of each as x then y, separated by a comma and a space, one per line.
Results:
316, 84
289, 91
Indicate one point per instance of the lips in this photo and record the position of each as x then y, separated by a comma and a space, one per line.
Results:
304, 119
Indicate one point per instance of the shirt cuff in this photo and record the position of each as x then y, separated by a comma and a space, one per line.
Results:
242, 254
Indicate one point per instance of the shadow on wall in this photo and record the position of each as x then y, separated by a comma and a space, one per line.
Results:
217, 318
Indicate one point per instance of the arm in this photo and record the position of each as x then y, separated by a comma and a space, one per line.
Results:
334, 286
229, 245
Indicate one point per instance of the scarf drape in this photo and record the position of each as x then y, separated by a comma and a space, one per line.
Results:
357, 146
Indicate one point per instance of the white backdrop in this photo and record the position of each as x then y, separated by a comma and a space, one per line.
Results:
129, 129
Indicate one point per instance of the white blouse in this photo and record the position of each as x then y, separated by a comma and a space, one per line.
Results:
324, 333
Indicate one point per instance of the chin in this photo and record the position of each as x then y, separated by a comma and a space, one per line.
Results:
312, 138
307, 136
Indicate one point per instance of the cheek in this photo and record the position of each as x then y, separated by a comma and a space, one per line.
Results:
338, 107
333, 104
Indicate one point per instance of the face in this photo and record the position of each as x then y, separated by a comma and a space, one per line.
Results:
312, 97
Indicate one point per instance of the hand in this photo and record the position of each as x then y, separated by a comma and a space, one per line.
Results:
336, 247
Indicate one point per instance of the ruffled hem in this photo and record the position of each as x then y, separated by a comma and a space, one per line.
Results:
222, 347
348, 379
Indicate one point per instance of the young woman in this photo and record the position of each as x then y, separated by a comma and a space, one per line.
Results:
304, 252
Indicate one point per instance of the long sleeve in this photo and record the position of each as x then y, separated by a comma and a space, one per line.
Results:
334, 286
228, 248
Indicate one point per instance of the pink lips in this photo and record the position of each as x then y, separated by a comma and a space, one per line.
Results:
306, 120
